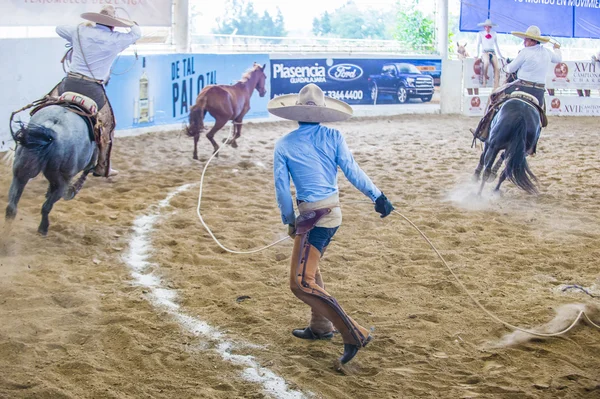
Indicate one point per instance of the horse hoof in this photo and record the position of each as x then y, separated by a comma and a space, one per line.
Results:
10, 214
234, 144
475, 178
42, 231
69, 193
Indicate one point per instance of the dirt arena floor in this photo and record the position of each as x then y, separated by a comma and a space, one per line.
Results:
79, 319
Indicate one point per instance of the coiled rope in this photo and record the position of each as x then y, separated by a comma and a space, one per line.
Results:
490, 314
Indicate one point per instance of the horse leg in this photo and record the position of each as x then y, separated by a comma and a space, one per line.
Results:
55, 190
196, 138
74, 188
500, 181
498, 164
238, 132
219, 123
14, 195
479, 167
490, 156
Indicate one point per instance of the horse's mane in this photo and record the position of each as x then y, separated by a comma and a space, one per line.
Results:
246, 75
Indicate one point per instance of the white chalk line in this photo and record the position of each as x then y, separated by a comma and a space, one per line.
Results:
137, 257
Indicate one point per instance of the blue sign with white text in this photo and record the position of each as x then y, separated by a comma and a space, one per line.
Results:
161, 89
358, 81
561, 18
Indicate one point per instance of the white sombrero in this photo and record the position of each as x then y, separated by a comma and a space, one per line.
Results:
487, 22
533, 32
107, 16
310, 105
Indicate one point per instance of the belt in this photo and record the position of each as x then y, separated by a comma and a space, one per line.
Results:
83, 77
531, 84
489, 51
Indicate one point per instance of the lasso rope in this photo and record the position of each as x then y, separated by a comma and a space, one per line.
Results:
490, 314
200, 199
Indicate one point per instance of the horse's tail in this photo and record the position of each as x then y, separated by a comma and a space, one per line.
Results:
38, 140
517, 169
197, 113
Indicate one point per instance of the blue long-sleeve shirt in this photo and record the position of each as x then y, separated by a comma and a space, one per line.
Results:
311, 155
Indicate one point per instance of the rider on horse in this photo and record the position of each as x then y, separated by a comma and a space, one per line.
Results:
531, 66
95, 45
487, 39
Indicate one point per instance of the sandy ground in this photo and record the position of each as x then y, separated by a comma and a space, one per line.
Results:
75, 322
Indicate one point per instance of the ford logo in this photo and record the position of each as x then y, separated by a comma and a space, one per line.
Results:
345, 72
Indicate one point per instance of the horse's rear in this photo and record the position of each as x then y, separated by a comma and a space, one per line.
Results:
515, 129
57, 143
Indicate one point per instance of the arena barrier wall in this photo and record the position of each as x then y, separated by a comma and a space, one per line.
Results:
572, 88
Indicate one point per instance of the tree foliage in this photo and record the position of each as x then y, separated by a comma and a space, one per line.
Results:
413, 27
241, 17
350, 22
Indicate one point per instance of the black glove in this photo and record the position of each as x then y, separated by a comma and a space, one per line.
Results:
383, 205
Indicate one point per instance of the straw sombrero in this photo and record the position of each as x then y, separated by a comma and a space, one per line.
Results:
310, 105
107, 16
487, 22
533, 32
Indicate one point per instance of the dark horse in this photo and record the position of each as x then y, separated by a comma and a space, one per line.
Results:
514, 129
56, 142
225, 103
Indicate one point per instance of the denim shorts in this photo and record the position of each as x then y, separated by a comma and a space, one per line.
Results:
319, 237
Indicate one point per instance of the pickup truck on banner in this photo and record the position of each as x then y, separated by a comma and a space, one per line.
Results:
403, 81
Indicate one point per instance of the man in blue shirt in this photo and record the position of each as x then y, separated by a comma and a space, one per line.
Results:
311, 155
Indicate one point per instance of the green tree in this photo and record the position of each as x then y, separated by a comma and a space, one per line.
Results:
241, 17
350, 22
413, 28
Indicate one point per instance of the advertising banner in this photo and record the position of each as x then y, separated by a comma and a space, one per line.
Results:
573, 106
561, 18
359, 81
473, 73
65, 12
565, 75
574, 75
556, 106
161, 89
475, 105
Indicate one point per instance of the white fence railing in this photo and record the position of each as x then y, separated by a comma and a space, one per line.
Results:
264, 44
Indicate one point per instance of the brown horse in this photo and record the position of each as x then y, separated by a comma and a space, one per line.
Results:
225, 103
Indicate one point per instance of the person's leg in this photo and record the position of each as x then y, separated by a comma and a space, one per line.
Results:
303, 283
486, 66
496, 71
106, 124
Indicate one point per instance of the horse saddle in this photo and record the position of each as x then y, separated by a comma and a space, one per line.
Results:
307, 220
77, 103
499, 98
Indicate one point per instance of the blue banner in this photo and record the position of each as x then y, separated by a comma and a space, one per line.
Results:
161, 89
352, 79
559, 18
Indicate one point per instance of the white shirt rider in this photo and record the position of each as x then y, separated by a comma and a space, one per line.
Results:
101, 46
490, 44
532, 62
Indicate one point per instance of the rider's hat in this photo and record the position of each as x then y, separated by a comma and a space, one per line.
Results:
107, 16
487, 22
310, 105
533, 32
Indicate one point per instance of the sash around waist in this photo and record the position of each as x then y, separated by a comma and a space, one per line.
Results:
330, 220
